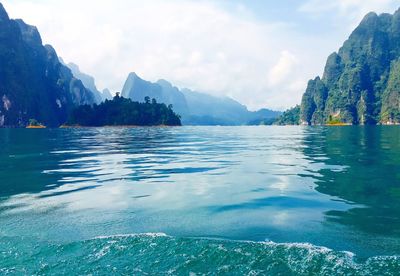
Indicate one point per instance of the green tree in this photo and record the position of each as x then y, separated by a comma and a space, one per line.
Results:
121, 111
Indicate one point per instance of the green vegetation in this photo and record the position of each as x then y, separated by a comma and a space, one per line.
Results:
124, 112
391, 96
361, 83
334, 120
262, 122
34, 122
289, 117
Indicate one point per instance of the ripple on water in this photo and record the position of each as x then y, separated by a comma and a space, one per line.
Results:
157, 253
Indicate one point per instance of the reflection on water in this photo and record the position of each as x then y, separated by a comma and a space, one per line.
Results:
336, 187
371, 178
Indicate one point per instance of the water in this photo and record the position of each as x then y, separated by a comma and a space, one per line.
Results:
223, 200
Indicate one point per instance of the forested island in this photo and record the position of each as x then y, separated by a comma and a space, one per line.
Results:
124, 112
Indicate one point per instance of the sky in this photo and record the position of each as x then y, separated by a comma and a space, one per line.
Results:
259, 52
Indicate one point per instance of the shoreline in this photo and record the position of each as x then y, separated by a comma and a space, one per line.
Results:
168, 126
116, 126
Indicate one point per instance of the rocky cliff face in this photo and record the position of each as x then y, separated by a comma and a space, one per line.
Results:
87, 80
33, 82
361, 82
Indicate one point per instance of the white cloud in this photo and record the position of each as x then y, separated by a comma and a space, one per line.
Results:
283, 69
350, 10
197, 44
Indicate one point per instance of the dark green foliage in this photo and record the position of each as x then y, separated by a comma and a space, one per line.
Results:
33, 122
359, 82
289, 117
262, 122
313, 102
124, 112
391, 96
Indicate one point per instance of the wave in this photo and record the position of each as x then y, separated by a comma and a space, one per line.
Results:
152, 235
159, 254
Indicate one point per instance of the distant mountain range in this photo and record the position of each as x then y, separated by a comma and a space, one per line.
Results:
89, 82
33, 82
361, 82
195, 108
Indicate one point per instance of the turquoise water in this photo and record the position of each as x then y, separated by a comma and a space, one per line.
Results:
200, 200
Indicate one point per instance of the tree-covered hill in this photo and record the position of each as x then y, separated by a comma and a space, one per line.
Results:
289, 117
361, 82
124, 112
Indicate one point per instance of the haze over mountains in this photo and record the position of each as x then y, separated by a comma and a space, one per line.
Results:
194, 107
89, 82
36, 84
360, 85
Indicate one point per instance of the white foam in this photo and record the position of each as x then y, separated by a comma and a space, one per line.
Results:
152, 235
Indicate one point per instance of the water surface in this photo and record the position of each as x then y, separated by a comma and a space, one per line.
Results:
230, 200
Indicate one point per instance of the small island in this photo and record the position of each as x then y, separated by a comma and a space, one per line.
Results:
123, 112
33, 123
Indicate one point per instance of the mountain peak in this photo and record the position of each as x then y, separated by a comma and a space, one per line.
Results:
370, 17
106, 94
40, 87
371, 53
74, 66
51, 51
131, 82
133, 75
29, 33
3, 14
164, 83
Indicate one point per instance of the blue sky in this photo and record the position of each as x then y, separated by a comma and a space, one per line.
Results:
261, 53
